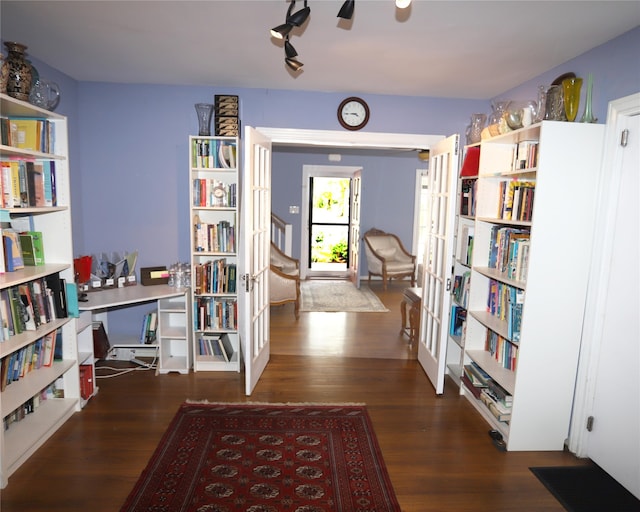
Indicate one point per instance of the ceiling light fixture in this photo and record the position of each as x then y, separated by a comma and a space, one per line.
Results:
293, 64
289, 50
403, 4
346, 11
299, 17
281, 31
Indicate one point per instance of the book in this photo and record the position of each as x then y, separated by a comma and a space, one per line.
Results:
49, 342
32, 248
12, 250
226, 347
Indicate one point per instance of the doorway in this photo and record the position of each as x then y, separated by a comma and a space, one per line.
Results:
328, 199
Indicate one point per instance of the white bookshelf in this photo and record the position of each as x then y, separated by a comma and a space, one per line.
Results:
214, 199
22, 438
565, 175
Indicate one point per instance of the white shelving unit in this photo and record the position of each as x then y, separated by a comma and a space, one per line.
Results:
214, 196
173, 335
24, 437
461, 264
565, 176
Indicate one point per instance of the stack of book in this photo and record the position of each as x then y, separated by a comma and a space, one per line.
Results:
227, 122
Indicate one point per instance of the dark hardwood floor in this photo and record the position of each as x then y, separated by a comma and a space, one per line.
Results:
437, 450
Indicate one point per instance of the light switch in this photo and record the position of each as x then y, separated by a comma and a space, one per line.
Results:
294, 209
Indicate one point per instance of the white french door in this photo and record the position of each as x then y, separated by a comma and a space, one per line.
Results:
255, 235
438, 254
354, 228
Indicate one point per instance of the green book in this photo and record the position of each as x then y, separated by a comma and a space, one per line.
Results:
32, 248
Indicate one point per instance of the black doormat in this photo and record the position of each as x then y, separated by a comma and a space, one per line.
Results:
586, 489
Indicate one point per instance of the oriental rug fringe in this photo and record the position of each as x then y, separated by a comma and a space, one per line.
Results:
222, 457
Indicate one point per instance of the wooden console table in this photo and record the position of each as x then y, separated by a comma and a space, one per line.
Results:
411, 299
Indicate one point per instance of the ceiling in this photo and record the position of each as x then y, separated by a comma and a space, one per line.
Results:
457, 49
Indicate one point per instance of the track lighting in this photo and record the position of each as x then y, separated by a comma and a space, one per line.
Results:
346, 11
299, 17
281, 31
402, 4
293, 64
289, 50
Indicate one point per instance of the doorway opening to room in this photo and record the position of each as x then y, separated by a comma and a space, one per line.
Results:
330, 223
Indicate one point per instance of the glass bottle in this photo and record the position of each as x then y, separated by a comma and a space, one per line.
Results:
587, 117
541, 106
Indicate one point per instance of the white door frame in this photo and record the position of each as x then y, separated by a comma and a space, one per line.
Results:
308, 171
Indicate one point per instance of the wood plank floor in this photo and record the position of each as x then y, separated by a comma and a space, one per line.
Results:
437, 450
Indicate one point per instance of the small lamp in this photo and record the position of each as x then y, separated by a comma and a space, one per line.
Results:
346, 11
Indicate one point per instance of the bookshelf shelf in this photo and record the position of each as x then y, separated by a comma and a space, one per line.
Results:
214, 194
31, 407
545, 303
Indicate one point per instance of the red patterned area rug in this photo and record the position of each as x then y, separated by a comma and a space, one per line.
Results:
266, 458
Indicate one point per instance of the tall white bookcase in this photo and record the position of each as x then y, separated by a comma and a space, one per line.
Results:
564, 171
22, 438
214, 196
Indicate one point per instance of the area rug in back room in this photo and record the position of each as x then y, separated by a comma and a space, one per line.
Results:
220, 457
333, 296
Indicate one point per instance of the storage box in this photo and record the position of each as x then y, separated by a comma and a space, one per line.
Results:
154, 275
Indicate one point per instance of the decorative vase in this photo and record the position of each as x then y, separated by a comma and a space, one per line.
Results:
541, 107
587, 117
499, 107
204, 111
477, 124
19, 76
4, 77
554, 110
571, 89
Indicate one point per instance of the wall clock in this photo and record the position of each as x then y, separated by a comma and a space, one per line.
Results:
353, 113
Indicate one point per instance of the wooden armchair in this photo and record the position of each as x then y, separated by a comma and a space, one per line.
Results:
387, 257
284, 280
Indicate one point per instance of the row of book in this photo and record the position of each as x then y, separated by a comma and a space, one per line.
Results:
506, 302
525, 155
468, 189
213, 154
54, 390
465, 253
20, 249
215, 276
219, 237
460, 289
515, 200
457, 320
216, 345
509, 252
41, 353
497, 400
148, 333
28, 183
211, 314
28, 133
27, 306
214, 193
502, 350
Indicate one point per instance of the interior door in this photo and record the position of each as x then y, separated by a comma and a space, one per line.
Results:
354, 229
613, 440
255, 236
438, 254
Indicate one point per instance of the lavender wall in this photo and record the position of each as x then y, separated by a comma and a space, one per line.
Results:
129, 163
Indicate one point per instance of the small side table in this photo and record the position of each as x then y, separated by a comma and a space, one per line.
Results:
412, 299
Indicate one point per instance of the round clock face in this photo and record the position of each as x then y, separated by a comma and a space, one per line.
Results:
353, 113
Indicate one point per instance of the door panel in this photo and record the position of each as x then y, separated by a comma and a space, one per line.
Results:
354, 226
255, 236
438, 254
